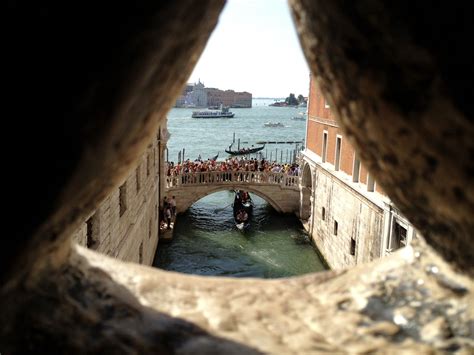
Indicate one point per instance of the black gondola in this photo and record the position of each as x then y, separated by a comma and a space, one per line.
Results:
243, 208
215, 157
244, 151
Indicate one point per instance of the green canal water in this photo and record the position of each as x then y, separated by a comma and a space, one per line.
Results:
206, 241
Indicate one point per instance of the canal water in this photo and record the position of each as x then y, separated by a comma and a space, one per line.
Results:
206, 241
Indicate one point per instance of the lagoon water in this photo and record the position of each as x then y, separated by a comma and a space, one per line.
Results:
207, 137
206, 241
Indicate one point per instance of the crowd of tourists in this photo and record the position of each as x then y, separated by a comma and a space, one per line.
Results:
243, 167
231, 165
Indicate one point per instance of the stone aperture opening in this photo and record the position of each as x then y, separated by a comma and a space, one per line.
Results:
107, 108
92, 231
122, 199
353, 246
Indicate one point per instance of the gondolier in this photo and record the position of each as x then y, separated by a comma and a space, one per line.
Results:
243, 207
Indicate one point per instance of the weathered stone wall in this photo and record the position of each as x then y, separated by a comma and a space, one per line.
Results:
356, 217
132, 236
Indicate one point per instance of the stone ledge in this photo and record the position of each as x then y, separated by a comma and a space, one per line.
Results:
410, 301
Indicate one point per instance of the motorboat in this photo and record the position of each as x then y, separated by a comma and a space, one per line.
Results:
273, 124
300, 117
222, 113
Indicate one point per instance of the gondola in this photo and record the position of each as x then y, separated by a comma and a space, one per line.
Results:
242, 209
244, 151
215, 157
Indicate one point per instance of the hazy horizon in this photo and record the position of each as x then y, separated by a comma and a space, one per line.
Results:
254, 48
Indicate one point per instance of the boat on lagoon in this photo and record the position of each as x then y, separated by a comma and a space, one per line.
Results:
273, 124
222, 113
243, 151
300, 117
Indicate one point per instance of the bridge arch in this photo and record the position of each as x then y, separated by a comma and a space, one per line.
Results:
307, 179
187, 200
280, 190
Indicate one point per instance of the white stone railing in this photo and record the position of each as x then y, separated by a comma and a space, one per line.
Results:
232, 178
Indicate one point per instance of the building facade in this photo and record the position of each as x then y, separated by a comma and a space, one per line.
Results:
242, 99
197, 95
347, 214
125, 226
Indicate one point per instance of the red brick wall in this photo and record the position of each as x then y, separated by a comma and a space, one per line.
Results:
321, 118
347, 156
314, 137
316, 103
331, 151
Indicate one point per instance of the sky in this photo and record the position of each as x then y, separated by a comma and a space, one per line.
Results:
254, 48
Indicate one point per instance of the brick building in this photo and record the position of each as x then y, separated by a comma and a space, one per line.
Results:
231, 98
242, 99
197, 95
347, 214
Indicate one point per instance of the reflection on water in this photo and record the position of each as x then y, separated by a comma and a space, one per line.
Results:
206, 242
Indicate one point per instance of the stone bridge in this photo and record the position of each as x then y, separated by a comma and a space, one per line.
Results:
280, 190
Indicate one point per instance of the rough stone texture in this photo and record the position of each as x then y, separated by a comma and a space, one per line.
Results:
384, 304
78, 308
87, 87
400, 79
134, 235
410, 302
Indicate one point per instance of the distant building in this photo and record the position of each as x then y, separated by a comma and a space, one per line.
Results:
242, 99
347, 214
198, 95
216, 97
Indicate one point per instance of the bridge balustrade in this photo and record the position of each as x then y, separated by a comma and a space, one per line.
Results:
233, 177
